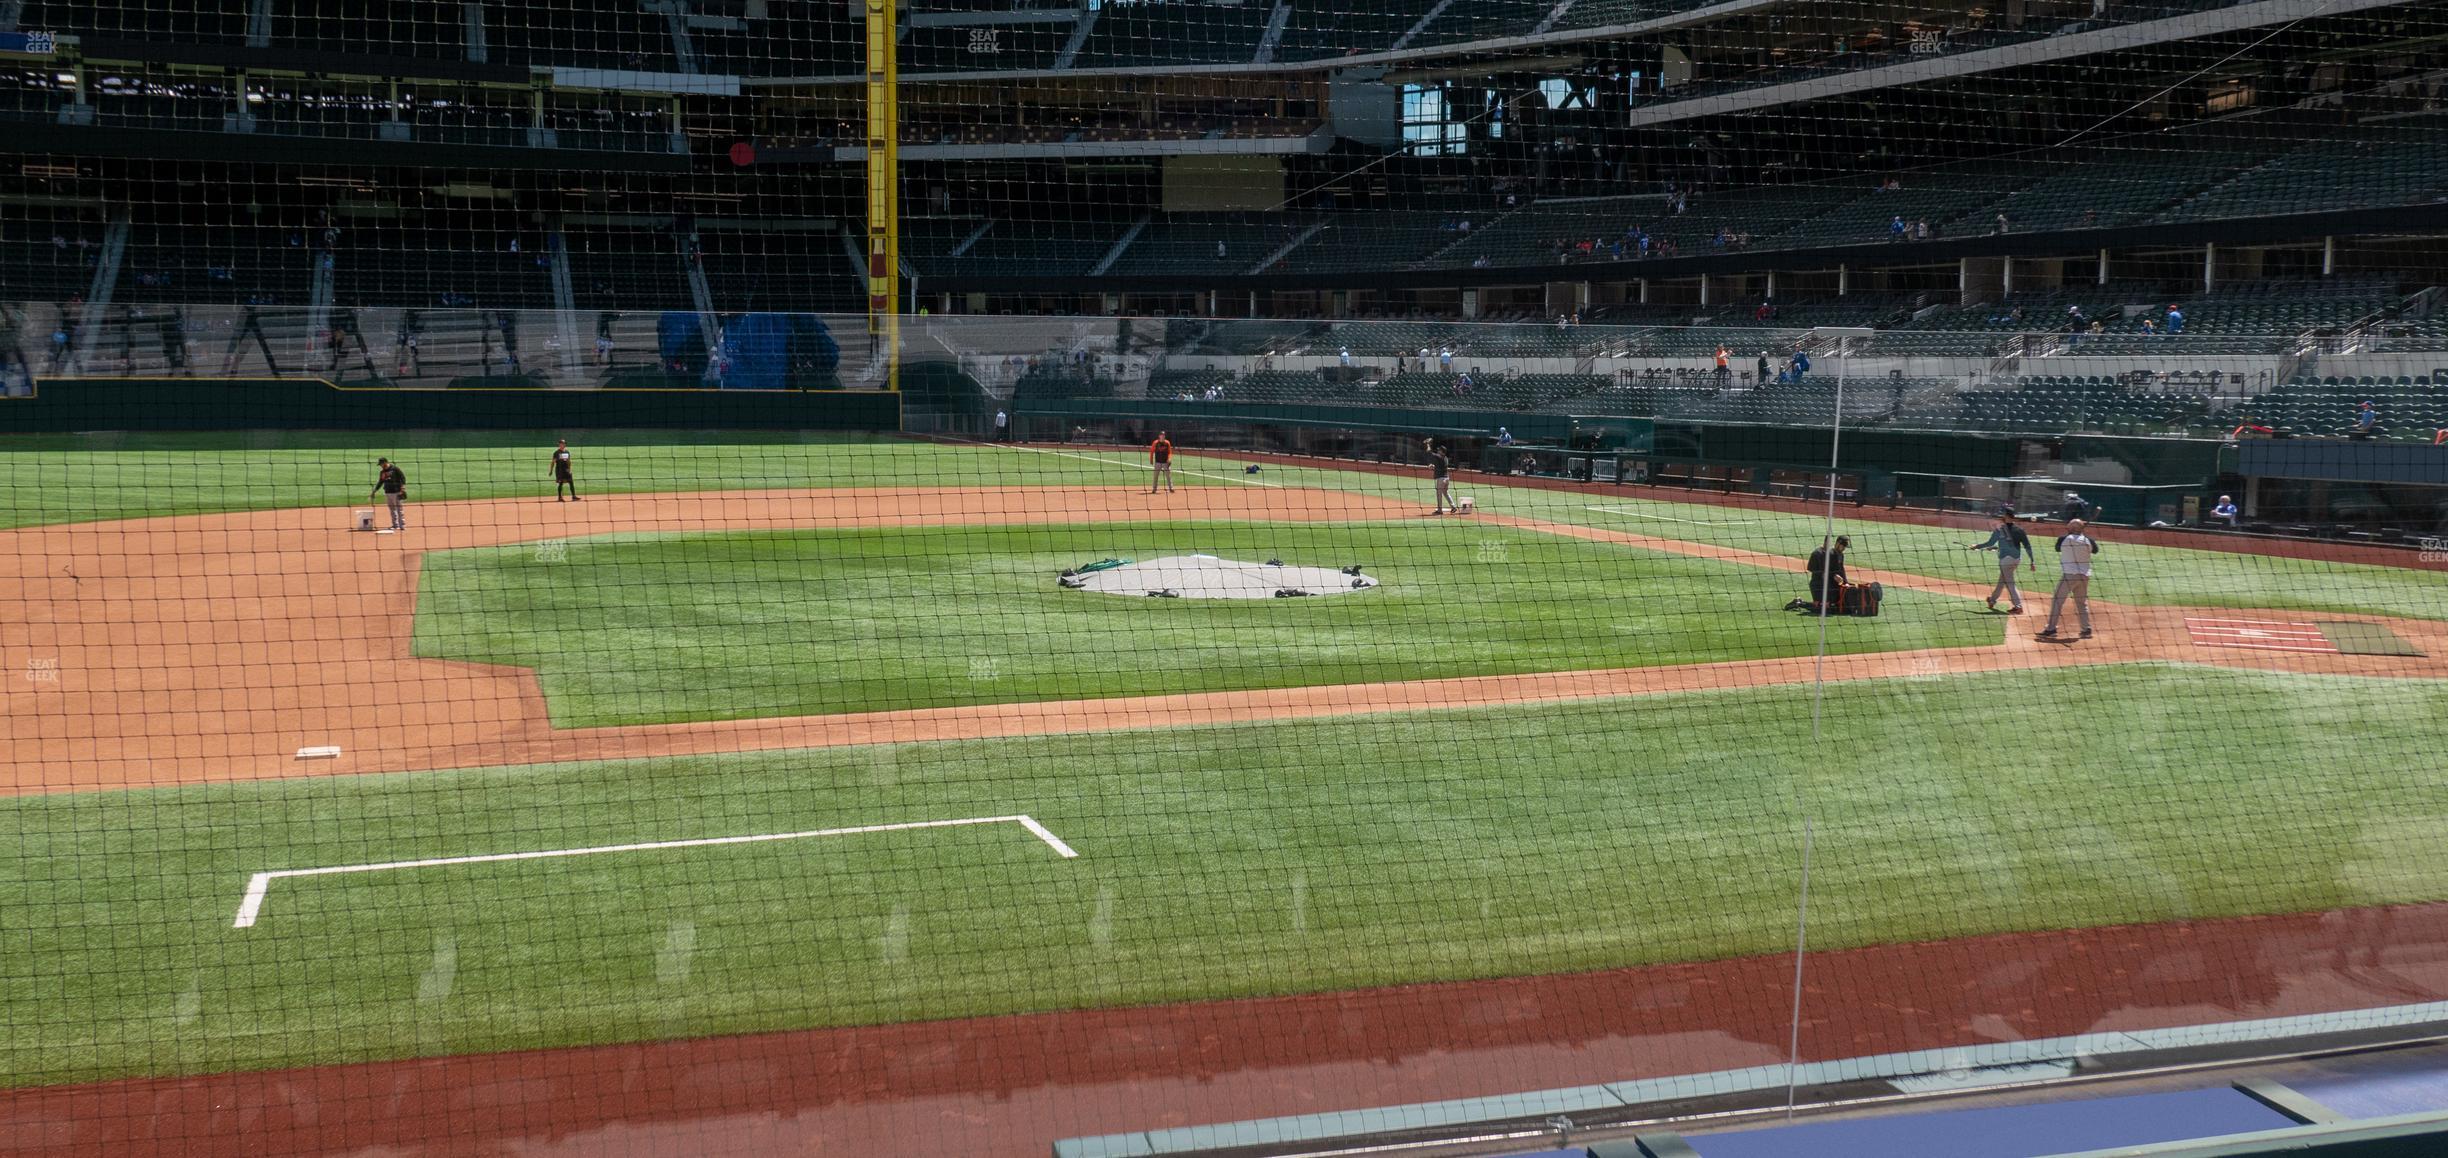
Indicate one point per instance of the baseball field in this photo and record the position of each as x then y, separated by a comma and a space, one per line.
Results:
782, 734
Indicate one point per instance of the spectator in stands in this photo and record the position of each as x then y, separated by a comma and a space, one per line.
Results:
2175, 319
1724, 369
2077, 509
1445, 359
2150, 328
1801, 365
1220, 250
1921, 230
2001, 223
1345, 356
1896, 229
1762, 375
2366, 423
2226, 511
1504, 437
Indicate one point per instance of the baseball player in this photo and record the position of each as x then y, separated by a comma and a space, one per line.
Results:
561, 473
1160, 457
2074, 551
392, 483
1440, 466
2012, 547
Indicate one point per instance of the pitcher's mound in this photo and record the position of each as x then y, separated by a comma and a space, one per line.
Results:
1208, 577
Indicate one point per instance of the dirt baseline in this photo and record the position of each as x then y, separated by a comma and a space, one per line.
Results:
213, 648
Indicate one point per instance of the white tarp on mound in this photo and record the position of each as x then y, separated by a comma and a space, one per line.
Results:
1208, 577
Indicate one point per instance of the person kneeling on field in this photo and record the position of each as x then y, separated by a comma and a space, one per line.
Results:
1827, 577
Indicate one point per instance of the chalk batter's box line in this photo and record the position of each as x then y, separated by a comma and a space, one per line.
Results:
2259, 635
251, 906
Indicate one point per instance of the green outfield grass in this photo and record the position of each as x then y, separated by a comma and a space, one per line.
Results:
1215, 862
668, 628
72, 479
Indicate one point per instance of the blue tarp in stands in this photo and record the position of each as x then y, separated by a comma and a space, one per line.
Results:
2010, 1131
778, 352
680, 342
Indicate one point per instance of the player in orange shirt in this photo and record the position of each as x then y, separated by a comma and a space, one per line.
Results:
1160, 456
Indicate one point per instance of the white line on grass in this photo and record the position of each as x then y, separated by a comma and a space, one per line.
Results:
1244, 479
252, 905
1671, 519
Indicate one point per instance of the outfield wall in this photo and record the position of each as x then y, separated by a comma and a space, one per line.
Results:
60, 405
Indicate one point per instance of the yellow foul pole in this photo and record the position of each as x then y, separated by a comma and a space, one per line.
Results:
884, 185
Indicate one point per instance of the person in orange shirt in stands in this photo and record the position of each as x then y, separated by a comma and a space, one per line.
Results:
1160, 456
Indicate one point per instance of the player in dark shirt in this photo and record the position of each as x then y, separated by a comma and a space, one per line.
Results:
561, 473
1827, 572
1440, 466
1160, 457
392, 483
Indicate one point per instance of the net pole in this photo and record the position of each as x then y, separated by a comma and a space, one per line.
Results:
1827, 542
1793, 1042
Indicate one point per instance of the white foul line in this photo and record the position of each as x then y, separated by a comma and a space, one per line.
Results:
1671, 518
252, 906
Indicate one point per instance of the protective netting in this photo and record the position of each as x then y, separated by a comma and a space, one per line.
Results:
494, 652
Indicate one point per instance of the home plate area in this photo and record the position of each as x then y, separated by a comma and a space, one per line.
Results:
2277, 635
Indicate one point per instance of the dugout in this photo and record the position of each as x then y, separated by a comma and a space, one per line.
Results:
2044, 496
2347, 487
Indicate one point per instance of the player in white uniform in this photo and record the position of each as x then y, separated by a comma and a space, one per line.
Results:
2075, 550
